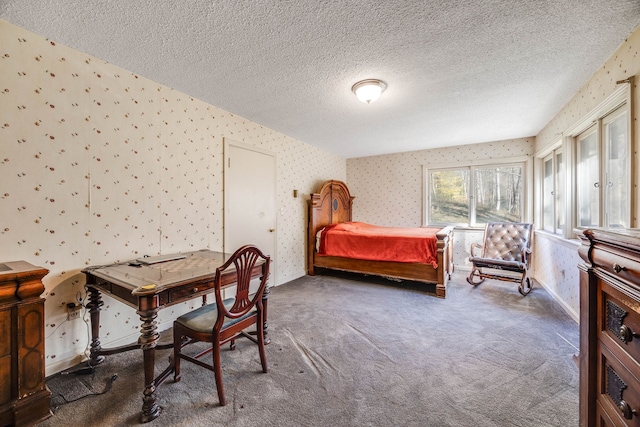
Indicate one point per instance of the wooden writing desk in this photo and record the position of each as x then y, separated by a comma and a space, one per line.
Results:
149, 288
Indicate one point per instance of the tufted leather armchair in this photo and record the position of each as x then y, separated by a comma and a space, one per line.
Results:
506, 248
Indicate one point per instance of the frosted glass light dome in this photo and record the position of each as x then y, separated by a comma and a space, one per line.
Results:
369, 90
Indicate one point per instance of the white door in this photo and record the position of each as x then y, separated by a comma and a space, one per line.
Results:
250, 199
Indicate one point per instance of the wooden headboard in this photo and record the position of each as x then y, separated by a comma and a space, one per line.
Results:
331, 204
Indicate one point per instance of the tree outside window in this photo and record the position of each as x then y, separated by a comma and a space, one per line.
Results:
476, 195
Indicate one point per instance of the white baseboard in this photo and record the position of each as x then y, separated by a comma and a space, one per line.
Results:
570, 311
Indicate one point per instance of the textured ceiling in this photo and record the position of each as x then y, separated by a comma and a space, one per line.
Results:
458, 72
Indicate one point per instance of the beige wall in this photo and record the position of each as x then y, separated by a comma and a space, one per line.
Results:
100, 165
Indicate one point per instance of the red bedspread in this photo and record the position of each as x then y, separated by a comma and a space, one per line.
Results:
371, 242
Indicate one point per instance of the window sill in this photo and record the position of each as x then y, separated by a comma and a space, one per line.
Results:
570, 243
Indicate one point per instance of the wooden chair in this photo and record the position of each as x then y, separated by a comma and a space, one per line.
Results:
506, 248
226, 320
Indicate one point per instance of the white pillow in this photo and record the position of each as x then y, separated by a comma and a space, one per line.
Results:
318, 235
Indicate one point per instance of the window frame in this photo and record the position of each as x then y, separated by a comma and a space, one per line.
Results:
557, 191
591, 131
527, 174
606, 167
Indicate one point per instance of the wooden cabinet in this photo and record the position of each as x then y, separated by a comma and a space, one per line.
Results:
610, 328
24, 397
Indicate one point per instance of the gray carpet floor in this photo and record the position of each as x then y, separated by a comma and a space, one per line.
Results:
352, 351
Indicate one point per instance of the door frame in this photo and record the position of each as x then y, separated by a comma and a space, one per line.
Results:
243, 145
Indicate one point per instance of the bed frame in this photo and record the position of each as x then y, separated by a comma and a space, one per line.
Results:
332, 204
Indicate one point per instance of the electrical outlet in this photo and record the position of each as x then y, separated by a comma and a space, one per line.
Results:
73, 311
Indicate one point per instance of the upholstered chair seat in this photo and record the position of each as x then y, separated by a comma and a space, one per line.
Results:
201, 319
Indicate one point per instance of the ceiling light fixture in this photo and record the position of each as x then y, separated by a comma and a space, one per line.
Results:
369, 90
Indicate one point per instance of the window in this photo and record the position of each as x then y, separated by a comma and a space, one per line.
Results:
475, 195
617, 170
603, 173
585, 179
553, 187
449, 195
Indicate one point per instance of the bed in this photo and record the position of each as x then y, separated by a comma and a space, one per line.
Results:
332, 204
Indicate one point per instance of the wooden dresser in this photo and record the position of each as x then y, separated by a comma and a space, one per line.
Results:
24, 397
610, 328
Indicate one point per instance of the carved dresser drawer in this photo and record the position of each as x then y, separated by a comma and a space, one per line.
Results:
609, 327
619, 322
618, 263
618, 389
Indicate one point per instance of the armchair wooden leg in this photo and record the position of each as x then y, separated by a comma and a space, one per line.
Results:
474, 277
525, 285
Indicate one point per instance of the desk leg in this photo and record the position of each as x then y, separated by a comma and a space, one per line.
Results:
265, 326
94, 306
148, 340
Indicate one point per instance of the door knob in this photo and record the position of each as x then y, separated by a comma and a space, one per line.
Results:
271, 230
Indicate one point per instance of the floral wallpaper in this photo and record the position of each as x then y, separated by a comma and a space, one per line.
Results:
555, 265
100, 165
